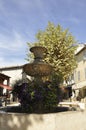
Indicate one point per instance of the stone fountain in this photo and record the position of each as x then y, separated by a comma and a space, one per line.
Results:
38, 68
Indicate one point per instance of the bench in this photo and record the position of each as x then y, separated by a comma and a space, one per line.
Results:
73, 104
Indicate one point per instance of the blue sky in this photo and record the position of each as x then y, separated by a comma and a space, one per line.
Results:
20, 20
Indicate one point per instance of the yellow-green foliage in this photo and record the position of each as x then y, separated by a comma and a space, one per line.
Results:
60, 46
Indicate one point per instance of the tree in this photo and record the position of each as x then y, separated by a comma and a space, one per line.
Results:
61, 46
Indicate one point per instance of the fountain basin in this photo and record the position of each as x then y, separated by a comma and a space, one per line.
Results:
37, 69
68, 120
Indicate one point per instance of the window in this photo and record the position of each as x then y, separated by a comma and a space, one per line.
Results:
72, 77
84, 56
78, 75
85, 73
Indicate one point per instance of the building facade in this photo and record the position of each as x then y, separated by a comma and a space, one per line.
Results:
14, 72
80, 73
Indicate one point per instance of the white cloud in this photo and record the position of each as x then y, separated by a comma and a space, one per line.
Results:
27, 4
13, 42
72, 19
1, 6
4, 62
12, 49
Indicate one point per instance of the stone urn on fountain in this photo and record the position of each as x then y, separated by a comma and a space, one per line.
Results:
38, 68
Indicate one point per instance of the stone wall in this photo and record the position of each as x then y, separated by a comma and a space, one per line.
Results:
73, 120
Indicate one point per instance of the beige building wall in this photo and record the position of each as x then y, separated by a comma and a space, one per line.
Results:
80, 68
14, 73
80, 72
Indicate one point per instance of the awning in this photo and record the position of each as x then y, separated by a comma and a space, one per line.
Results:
5, 86
79, 85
